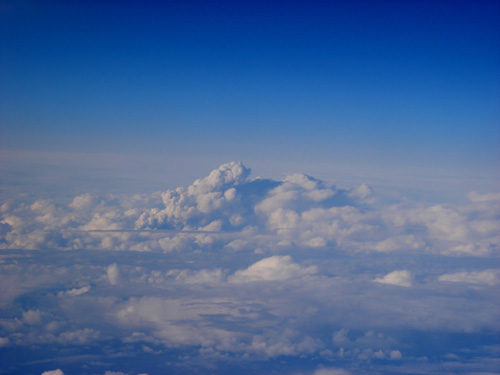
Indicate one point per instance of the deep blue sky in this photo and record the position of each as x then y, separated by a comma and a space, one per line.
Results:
387, 82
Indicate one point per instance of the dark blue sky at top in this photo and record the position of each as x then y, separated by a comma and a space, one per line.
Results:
413, 78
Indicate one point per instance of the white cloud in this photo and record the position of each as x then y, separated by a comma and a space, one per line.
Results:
32, 317
477, 197
400, 278
113, 274
297, 211
274, 268
82, 201
81, 336
395, 354
53, 372
488, 277
331, 371
77, 291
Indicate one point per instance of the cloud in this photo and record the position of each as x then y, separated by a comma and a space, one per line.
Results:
235, 211
488, 277
113, 274
53, 372
400, 278
32, 316
4, 341
331, 371
274, 268
395, 354
76, 291
233, 270
479, 198
81, 336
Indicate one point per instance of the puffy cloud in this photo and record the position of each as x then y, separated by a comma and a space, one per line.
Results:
53, 372
198, 204
32, 316
400, 278
274, 268
82, 201
76, 291
395, 354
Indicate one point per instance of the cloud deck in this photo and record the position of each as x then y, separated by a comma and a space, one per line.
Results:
234, 274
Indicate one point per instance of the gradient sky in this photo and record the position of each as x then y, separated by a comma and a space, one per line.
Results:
360, 85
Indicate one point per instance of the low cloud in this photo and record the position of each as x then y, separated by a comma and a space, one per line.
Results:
488, 277
331, 371
53, 372
399, 278
274, 268
113, 274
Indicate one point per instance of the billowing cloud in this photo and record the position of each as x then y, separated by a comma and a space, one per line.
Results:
230, 209
400, 278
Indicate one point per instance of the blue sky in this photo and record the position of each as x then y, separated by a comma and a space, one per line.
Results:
249, 187
411, 86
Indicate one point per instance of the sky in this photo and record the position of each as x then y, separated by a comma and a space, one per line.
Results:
352, 89
251, 187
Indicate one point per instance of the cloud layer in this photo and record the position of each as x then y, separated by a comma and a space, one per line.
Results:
229, 209
291, 276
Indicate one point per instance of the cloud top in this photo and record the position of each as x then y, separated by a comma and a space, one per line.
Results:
230, 210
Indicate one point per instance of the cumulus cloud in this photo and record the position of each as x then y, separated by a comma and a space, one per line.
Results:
395, 354
53, 372
274, 268
400, 278
77, 291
